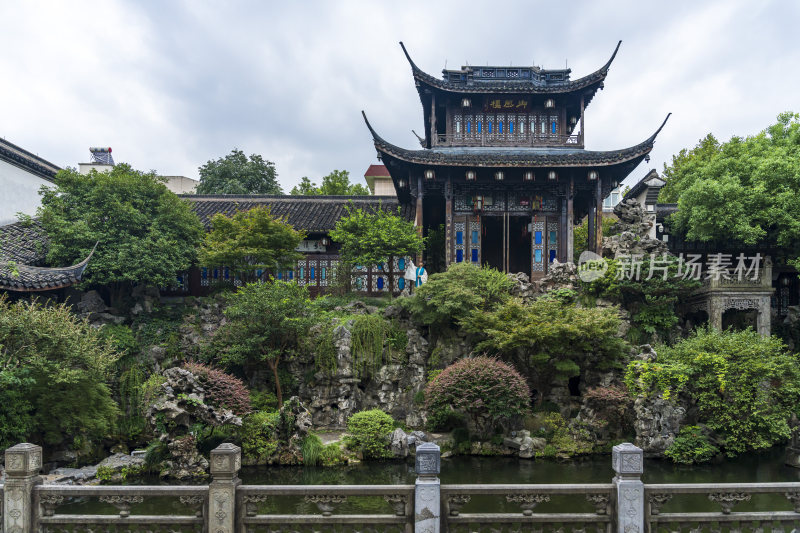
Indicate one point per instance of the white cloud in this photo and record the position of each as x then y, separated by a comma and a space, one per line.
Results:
172, 85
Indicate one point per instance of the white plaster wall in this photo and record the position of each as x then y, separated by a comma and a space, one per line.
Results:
19, 192
384, 187
181, 184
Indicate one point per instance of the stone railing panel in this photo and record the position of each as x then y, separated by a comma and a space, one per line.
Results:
527, 499
330, 508
725, 497
48, 499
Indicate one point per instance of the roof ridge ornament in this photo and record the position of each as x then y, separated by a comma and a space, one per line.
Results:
604, 70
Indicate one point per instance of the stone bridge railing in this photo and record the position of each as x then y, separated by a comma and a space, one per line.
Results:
626, 505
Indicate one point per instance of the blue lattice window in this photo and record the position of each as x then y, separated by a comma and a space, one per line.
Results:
459, 256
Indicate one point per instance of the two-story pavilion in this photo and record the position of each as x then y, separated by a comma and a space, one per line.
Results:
503, 165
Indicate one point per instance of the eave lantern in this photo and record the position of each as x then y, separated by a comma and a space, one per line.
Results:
499, 175
466, 102
429, 174
549, 103
552, 175
470, 175
401, 183
573, 120
528, 176
593, 175
325, 241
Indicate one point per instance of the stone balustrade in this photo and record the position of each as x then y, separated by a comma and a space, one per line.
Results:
626, 505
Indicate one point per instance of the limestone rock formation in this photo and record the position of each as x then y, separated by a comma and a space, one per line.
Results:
179, 404
631, 232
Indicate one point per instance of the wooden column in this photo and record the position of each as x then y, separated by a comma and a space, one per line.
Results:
434, 138
570, 220
562, 230
591, 238
583, 137
418, 214
449, 228
599, 219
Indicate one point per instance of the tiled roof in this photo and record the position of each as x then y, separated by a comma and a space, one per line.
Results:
377, 171
514, 157
516, 86
13, 154
23, 245
23, 242
314, 214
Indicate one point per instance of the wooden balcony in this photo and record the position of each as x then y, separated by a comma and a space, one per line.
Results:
508, 140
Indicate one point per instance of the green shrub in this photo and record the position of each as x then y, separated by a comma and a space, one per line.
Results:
569, 438
485, 390
331, 455
258, 434
550, 337
691, 446
54, 378
370, 431
150, 389
263, 400
447, 298
744, 387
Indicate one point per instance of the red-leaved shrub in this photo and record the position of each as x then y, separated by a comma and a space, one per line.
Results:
222, 390
484, 389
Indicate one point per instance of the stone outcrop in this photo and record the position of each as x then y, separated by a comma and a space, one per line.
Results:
657, 421
179, 405
631, 232
332, 399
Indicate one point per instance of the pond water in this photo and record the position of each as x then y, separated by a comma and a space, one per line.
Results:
750, 468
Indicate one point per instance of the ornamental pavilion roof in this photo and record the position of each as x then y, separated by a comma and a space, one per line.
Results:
13, 154
515, 156
505, 79
23, 245
313, 214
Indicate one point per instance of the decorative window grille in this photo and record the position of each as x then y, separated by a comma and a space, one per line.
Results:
459, 227
537, 265
475, 242
457, 126
552, 241
553, 125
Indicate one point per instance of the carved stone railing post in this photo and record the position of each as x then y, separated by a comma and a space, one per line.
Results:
226, 460
427, 490
23, 463
628, 461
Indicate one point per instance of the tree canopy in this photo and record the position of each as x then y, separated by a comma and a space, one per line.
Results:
746, 189
337, 183
266, 322
237, 174
54, 371
376, 237
144, 232
249, 241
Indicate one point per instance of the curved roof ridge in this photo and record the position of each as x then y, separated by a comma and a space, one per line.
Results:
596, 77
494, 156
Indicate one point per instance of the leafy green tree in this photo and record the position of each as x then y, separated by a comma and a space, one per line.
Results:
337, 183
551, 337
251, 240
54, 371
746, 189
266, 323
144, 232
376, 237
237, 174
742, 386
449, 297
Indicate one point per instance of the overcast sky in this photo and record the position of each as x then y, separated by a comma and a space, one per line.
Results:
170, 85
